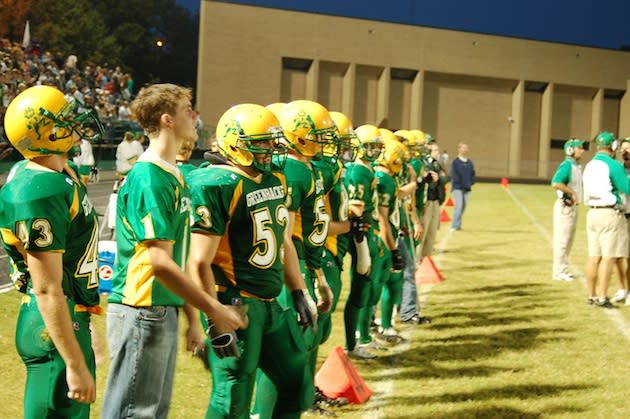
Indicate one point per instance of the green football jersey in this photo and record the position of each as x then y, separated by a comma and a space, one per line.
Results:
387, 188
361, 184
337, 206
306, 198
46, 211
186, 168
250, 216
153, 204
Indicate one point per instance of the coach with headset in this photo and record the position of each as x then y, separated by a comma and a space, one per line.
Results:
567, 181
605, 188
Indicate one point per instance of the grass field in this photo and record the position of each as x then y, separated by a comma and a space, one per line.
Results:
505, 342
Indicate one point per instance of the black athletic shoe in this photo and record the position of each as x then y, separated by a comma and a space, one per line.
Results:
320, 411
417, 319
322, 399
603, 304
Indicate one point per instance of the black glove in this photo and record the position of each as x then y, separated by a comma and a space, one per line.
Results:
224, 344
358, 227
398, 261
306, 309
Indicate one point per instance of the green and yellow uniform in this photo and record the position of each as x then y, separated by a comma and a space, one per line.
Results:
46, 211
392, 281
305, 197
336, 246
361, 184
250, 216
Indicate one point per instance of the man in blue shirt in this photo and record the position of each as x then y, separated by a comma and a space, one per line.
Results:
462, 179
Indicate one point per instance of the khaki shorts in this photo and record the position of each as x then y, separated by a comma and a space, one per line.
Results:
607, 233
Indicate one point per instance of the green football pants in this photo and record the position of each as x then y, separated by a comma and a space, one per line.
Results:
271, 342
46, 390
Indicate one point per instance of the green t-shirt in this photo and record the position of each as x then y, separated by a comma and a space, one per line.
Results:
306, 198
361, 184
46, 211
153, 204
250, 216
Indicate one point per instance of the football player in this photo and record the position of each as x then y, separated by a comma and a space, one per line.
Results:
307, 127
50, 233
238, 242
364, 286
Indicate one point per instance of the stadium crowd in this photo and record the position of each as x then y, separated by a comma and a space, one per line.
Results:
102, 87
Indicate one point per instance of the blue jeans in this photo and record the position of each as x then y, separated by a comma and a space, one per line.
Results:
461, 199
409, 302
143, 348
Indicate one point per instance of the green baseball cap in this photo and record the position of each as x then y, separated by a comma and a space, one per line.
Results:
604, 139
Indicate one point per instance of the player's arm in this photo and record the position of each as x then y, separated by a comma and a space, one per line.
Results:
292, 273
302, 301
385, 228
46, 270
409, 188
169, 273
418, 228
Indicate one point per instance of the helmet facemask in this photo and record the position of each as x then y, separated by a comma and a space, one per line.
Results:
277, 152
67, 121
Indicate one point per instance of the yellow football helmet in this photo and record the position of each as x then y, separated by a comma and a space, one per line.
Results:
387, 134
307, 126
247, 131
348, 143
370, 142
404, 136
276, 108
393, 156
41, 121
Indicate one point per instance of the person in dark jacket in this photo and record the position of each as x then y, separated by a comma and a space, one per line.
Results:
462, 179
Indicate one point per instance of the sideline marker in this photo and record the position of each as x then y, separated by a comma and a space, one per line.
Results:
338, 377
428, 273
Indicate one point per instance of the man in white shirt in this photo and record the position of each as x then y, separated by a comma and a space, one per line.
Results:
605, 190
127, 154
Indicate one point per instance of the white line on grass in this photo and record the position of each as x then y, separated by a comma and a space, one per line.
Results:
620, 323
384, 387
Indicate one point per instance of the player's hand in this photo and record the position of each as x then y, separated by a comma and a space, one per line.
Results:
228, 318
81, 385
358, 227
224, 344
194, 337
356, 208
398, 261
306, 309
323, 293
418, 229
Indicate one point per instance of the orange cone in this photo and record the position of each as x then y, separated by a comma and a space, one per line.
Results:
338, 378
449, 202
504, 182
444, 216
428, 273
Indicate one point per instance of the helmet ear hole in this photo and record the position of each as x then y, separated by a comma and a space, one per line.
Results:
301, 140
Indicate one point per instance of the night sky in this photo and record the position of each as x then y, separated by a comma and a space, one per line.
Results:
597, 23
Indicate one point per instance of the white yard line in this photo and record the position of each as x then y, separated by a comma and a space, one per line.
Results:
384, 387
617, 319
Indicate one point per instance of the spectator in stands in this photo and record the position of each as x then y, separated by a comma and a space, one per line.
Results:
127, 153
123, 111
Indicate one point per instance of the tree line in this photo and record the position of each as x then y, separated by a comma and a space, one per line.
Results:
154, 40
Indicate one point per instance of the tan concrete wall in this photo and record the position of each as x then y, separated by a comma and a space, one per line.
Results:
465, 86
